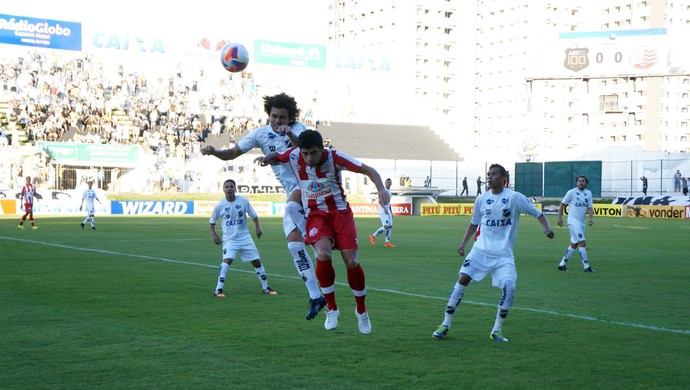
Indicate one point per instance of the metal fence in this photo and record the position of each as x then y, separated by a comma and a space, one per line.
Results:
619, 178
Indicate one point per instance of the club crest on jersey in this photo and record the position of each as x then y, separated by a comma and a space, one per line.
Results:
315, 186
506, 213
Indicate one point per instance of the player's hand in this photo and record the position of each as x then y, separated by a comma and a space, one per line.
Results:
216, 239
384, 198
461, 250
259, 233
208, 150
549, 233
559, 222
591, 222
283, 129
260, 161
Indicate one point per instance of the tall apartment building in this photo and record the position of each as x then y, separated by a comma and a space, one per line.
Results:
425, 36
480, 71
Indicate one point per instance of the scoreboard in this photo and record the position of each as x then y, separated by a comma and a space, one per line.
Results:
618, 53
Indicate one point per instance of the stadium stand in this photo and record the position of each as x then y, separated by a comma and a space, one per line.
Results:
392, 142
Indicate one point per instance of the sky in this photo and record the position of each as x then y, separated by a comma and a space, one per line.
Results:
294, 20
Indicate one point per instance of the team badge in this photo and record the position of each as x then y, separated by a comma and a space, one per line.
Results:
315, 186
576, 58
643, 57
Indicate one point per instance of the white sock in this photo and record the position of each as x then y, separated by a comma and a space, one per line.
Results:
504, 305
583, 256
568, 252
261, 274
378, 231
222, 273
388, 234
455, 299
305, 268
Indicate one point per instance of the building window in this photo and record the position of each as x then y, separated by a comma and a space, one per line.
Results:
608, 103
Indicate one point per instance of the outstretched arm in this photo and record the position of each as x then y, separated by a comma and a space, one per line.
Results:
269, 159
223, 154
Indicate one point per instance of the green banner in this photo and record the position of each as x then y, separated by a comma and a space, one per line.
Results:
290, 54
66, 153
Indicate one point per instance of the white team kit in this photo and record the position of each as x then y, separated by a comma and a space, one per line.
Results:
269, 141
89, 197
386, 213
497, 215
578, 203
232, 216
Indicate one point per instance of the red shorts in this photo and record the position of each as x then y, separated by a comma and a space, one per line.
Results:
339, 226
28, 207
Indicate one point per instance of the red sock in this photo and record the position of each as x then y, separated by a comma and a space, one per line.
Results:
326, 276
355, 278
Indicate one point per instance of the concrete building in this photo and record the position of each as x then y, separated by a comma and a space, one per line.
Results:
507, 79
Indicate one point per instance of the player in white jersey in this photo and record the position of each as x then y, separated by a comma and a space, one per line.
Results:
579, 203
277, 137
497, 212
330, 222
232, 213
386, 216
88, 197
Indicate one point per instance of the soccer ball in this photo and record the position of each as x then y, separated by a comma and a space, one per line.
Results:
234, 57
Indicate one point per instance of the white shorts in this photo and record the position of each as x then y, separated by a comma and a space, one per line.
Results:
477, 266
577, 233
289, 225
246, 252
386, 219
91, 212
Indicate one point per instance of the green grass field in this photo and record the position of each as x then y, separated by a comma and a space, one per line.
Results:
130, 306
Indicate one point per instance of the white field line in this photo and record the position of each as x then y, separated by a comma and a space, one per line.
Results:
541, 311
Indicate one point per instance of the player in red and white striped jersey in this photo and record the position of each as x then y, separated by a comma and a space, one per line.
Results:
27, 197
330, 223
